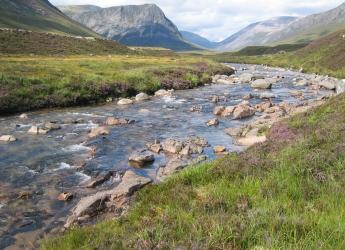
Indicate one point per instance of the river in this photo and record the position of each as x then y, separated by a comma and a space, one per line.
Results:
37, 168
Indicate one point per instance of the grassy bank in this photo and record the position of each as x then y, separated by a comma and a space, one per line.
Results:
287, 193
323, 56
28, 83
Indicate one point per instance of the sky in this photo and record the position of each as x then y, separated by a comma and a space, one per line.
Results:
218, 19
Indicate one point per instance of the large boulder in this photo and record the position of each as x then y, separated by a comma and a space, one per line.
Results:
172, 146
243, 111
261, 84
142, 157
99, 131
142, 97
125, 101
7, 138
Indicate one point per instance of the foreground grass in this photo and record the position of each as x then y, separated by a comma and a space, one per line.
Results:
285, 194
28, 83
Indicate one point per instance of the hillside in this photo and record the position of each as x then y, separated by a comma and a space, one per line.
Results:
26, 42
255, 34
133, 25
325, 56
198, 40
312, 27
39, 15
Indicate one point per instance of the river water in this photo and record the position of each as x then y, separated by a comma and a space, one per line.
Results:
34, 170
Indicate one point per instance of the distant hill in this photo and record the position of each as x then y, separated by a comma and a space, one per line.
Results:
312, 27
134, 25
328, 52
198, 40
255, 34
26, 42
39, 15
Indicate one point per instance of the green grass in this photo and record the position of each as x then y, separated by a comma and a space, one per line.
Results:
287, 193
33, 82
324, 56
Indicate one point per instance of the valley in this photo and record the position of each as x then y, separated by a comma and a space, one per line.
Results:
123, 127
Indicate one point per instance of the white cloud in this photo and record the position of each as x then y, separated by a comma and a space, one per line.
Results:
218, 19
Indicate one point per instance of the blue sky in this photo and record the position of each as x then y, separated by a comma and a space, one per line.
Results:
218, 19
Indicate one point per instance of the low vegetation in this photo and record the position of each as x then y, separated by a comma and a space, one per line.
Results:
325, 56
34, 82
284, 194
37, 43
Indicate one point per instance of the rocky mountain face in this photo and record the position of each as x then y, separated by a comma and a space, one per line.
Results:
255, 34
312, 27
39, 15
198, 40
134, 25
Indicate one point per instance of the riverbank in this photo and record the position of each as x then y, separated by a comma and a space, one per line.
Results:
36, 82
283, 192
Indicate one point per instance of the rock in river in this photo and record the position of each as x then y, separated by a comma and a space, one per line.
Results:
34, 130
243, 111
142, 97
219, 149
99, 131
142, 157
7, 138
125, 101
94, 204
65, 196
113, 121
163, 92
213, 122
218, 110
261, 84
172, 146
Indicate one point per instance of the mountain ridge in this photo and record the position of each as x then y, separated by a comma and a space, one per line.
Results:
40, 16
134, 25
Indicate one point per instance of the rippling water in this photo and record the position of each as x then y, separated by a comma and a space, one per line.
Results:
44, 166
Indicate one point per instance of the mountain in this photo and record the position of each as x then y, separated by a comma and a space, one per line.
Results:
75, 10
255, 34
134, 25
312, 27
39, 15
198, 40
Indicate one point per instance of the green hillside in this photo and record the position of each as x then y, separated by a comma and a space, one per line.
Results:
324, 56
28, 42
39, 15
